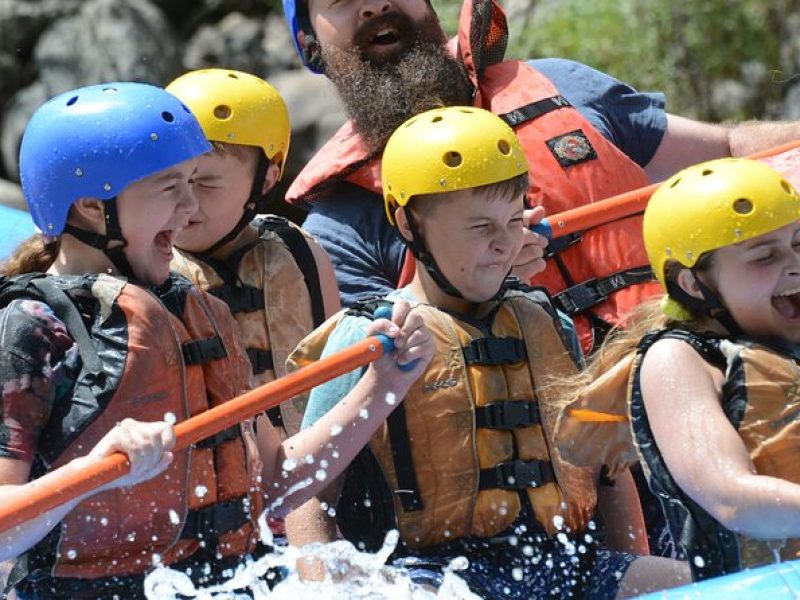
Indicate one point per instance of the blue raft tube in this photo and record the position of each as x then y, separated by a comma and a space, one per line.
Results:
772, 582
15, 227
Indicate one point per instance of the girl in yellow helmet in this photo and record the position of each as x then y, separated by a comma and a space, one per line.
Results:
707, 381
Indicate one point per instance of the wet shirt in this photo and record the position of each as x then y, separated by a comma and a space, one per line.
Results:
367, 253
39, 363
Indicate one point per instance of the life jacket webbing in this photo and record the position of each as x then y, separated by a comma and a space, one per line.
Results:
508, 415
198, 352
535, 109
408, 491
303, 256
517, 475
492, 351
580, 297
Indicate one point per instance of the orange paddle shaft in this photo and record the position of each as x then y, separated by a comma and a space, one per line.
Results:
60, 486
617, 207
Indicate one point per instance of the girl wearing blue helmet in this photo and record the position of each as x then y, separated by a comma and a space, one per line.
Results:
102, 348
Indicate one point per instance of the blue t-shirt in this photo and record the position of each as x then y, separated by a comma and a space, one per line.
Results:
351, 329
367, 253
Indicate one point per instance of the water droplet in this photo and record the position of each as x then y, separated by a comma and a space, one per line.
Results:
516, 573
443, 182
321, 475
323, 463
309, 459
289, 465
154, 137
527, 550
699, 562
71, 554
173, 517
363, 413
170, 418
367, 502
200, 491
336, 430
156, 559
331, 511
79, 172
335, 454
103, 521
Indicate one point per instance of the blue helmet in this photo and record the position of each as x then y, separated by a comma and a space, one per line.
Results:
296, 13
97, 140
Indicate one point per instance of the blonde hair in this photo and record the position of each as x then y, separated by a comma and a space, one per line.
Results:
34, 255
623, 339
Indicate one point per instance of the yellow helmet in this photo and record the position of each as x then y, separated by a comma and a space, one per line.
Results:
237, 108
715, 204
448, 149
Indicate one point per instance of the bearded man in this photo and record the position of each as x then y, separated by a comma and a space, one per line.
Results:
586, 135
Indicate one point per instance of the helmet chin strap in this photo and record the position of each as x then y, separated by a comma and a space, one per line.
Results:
710, 305
256, 202
116, 254
420, 252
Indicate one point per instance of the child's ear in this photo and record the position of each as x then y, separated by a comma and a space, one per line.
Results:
687, 280
271, 178
90, 213
402, 223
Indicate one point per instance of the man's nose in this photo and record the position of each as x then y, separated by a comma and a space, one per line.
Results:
372, 8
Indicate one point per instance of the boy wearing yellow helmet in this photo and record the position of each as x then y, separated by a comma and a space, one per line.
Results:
463, 467
708, 379
277, 281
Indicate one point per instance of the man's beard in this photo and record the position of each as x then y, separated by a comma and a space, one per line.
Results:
380, 95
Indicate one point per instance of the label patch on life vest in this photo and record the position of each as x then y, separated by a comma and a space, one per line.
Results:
572, 148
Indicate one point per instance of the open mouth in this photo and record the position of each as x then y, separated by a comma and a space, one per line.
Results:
788, 303
385, 37
163, 242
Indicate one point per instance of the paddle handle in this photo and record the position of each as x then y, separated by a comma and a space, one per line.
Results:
62, 485
618, 207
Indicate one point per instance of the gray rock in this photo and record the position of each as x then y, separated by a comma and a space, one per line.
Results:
235, 42
315, 111
106, 40
791, 104
279, 50
21, 21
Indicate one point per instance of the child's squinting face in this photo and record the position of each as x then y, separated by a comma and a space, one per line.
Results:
759, 281
222, 186
474, 239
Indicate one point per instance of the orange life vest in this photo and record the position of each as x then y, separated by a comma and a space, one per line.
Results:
171, 350
601, 275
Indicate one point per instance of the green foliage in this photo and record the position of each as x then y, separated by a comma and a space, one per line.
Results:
684, 48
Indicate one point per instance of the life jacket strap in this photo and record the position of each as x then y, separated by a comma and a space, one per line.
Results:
517, 475
261, 360
209, 523
507, 414
240, 298
226, 435
495, 351
531, 111
198, 352
580, 297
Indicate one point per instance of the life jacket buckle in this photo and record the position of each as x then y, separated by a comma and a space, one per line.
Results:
493, 351
517, 475
508, 414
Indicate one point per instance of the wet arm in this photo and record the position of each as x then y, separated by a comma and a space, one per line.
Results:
703, 451
619, 504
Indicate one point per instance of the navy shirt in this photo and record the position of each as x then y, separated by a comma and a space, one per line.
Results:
367, 253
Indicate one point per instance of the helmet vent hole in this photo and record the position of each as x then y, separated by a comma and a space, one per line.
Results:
786, 187
504, 147
707, 172
222, 112
452, 159
742, 206
411, 122
168, 116
110, 90
186, 108
72, 101
674, 183
233, 76
436, 119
